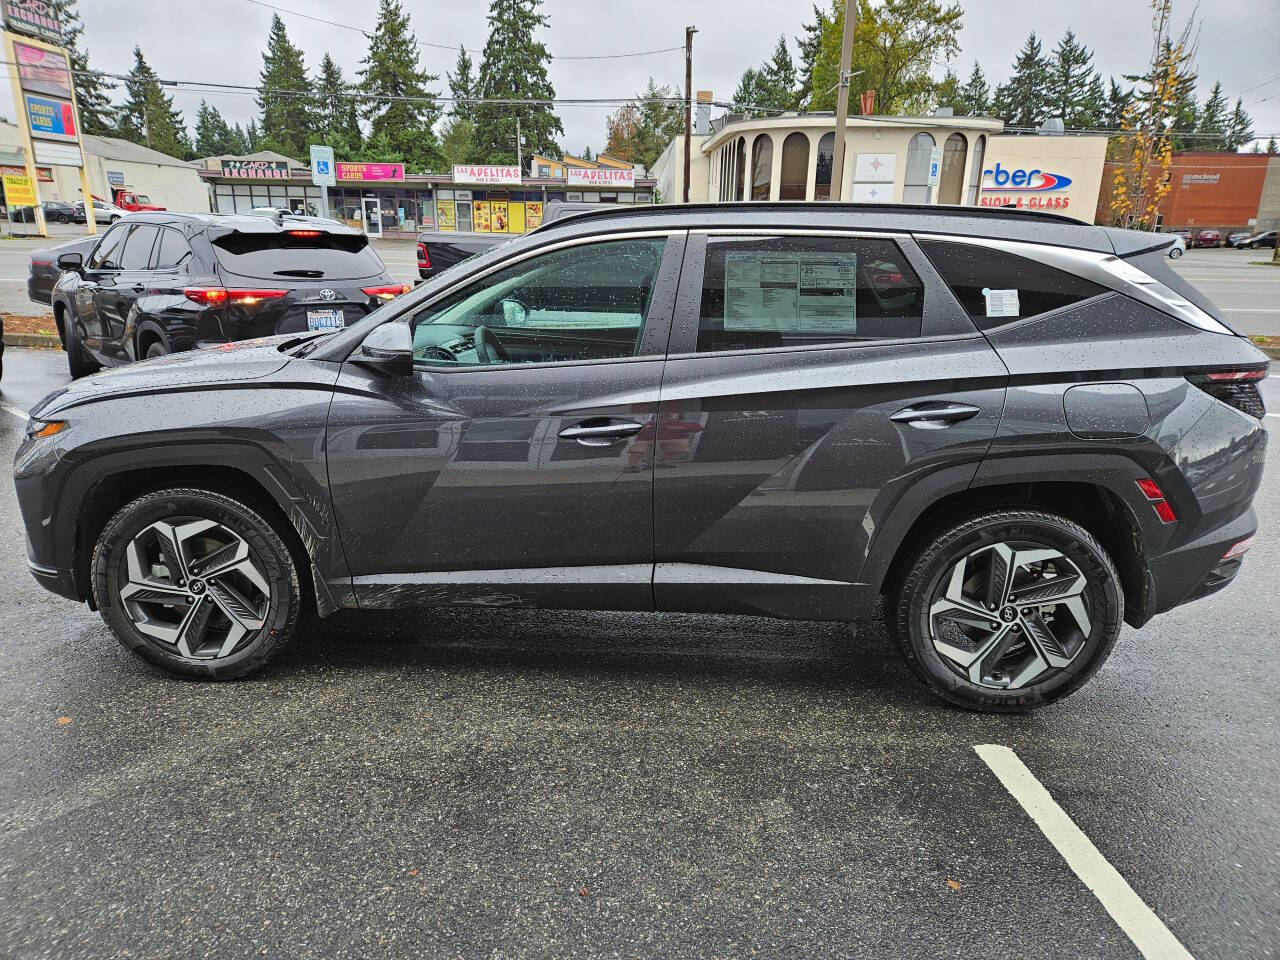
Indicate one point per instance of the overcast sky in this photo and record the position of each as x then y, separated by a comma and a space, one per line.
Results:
221, 41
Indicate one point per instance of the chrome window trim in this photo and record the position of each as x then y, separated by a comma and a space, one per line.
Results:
1105, 269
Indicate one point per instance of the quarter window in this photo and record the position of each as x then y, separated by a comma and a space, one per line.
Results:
760, 294
996, 288
581, 303
173, 250
137, 249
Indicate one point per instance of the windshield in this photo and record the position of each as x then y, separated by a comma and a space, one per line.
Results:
297, 253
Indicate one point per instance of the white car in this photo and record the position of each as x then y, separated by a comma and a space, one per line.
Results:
1177, 248
104, 212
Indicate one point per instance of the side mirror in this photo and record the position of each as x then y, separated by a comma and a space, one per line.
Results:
70, 261
388, 349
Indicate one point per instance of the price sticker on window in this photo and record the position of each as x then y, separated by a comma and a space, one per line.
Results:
1001, 303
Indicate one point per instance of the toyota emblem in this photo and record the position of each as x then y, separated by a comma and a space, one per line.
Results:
327, 294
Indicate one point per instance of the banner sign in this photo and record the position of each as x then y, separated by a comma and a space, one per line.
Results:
36, 18
482, 173
115, 178
19, 191
43, 71
51, 119
323, 167
256, 169
371, 171
43, 174
601, 177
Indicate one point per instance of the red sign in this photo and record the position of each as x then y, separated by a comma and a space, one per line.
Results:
256, 169
393, 172
43, 174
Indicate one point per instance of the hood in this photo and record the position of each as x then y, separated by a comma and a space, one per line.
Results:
226, 363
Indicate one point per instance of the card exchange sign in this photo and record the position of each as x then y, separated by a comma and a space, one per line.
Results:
256, 169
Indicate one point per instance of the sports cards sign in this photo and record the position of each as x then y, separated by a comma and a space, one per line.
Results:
51, 119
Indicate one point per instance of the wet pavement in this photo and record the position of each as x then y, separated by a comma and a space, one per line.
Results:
512, 783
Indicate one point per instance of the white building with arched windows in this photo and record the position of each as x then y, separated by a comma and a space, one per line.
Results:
887, 160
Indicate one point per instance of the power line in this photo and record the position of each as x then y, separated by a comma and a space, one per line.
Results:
445, 46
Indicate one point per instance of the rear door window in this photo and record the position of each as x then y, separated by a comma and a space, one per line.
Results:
996, 288
298, 255
761, 293
174, 252
137, 249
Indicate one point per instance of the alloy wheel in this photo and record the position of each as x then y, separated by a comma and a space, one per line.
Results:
194, 586
1010, 614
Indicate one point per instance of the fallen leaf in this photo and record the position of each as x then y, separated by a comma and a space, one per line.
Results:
952, 884
413, 872
582, 891
63, 721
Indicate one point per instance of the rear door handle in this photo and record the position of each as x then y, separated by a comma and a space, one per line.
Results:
598, 433
138, 287
935, 415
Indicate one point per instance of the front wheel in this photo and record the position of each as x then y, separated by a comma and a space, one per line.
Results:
196, 583
80, 362
1008, 611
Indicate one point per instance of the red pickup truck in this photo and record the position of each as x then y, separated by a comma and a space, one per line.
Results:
127, 200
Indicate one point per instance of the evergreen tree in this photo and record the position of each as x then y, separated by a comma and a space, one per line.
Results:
514, 66
147, 116
239, 141
462, 87
213, 136
252, 138
1114, 105
750, 94
1071, 88
1022, 101
336, 123
286, 121
1239, 127
948, 93
1183, 110
639, 131
810, 45
458, 141
1213, 122
97, 114
1272, 147
586, 153
399, 127
975, 95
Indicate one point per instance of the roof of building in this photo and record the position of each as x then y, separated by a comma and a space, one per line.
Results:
259, 155
113, 148
730, 124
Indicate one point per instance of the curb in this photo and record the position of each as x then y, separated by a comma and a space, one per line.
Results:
41, 340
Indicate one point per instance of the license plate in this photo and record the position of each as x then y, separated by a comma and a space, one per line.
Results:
325, 320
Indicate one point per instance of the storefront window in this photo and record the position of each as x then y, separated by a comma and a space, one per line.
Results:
822, 171
951, 177
795, 167
916, 186
761, 166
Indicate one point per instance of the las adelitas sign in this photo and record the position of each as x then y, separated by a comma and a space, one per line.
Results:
600, 177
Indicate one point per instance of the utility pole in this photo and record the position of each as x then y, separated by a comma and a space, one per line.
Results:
688, 102
842, 99
519, 150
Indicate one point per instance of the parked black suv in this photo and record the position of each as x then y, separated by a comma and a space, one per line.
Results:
161, 282
1016, 430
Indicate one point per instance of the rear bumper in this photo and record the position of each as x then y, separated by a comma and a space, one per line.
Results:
1197, 569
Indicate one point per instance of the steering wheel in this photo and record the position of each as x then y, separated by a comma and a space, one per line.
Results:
488, 348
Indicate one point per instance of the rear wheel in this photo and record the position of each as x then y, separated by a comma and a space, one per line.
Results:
196, 583
1008, 611
156, 349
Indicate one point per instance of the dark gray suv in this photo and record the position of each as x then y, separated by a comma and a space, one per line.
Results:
1012, 430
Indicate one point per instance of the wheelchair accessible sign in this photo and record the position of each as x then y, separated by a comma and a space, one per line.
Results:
324, 171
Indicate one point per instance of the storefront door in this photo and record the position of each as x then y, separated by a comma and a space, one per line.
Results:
372, 210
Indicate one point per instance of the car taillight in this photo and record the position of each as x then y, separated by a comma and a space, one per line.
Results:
218, 296
303, 233
1155, 496
424, 259
1236, 387
387, 291
1239, 549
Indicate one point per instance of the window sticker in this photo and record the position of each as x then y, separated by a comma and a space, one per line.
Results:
786, 292
1001, 303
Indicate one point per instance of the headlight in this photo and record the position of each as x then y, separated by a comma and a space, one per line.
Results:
38, 429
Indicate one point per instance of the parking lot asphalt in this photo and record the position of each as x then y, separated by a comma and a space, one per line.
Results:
508, 784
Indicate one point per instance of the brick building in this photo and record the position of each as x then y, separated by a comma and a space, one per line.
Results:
1227, 191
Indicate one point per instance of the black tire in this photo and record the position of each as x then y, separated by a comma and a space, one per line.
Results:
114, 220
80, 362
938, 556
280, 615
156, 349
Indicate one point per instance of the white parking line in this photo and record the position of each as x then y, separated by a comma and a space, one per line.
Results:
13, 410
1135, 918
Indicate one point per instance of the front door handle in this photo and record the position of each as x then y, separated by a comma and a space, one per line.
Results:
138, 288
935, 415
600, 433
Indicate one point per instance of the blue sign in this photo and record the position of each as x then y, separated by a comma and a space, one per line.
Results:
324, 171
51, 119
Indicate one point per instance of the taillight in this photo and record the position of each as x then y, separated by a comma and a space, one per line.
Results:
1239, 549
302, 233
218, 296
1236, 387
387, 291
1155, 496
424, 259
